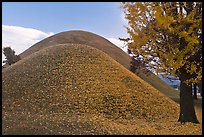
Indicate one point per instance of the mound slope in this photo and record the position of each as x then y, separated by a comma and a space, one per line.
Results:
96, 41
78, 89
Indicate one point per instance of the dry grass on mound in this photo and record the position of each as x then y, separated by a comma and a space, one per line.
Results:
80, 90
96, 41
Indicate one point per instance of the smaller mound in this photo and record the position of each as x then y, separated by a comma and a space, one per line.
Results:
77, 89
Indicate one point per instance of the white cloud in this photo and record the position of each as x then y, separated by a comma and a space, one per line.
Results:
21, 38
118, 43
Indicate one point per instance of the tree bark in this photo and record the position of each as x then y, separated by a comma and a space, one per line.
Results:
200, 88
187, 110
195, 91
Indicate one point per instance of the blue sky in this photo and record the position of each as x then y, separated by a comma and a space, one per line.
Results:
26, 23
103, 18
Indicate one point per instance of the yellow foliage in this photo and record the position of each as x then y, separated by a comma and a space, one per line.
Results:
176, 31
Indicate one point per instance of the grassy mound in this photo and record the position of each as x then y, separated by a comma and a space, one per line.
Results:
77, 89
96, 41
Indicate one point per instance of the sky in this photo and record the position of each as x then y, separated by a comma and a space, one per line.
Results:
26, 23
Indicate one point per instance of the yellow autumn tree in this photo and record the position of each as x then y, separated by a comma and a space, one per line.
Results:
172, 33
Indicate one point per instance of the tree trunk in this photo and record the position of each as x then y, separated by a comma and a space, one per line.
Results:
200, 88
195, 91
187, 110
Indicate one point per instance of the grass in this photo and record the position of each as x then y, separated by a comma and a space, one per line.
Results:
78, 89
